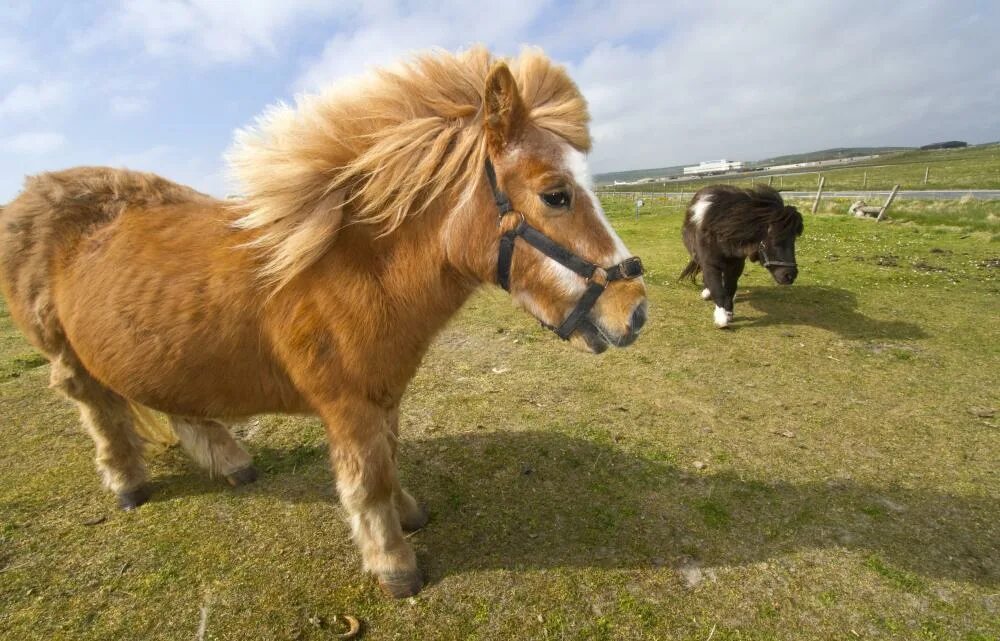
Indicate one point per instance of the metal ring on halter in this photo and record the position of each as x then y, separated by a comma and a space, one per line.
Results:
600, 277
512, 211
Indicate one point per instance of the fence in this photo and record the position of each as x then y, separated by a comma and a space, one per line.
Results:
647, 196
681, 199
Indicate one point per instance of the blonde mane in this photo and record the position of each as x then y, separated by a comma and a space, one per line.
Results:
390, 145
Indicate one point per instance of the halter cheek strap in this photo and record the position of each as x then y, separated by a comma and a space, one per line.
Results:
597, 277
767, 262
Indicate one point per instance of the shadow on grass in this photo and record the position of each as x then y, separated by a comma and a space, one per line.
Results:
530, 500
829, 308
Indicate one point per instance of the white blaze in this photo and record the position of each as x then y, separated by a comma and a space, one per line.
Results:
699, 208
576, 164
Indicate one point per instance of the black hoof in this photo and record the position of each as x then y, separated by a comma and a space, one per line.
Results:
242, 477
134, 498
400, 585
414, 522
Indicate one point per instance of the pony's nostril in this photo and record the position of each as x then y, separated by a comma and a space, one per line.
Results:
638, 319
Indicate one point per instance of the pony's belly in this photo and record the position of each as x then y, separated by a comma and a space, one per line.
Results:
189, 377
167, 327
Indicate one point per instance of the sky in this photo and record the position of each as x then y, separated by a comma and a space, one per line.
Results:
162, 85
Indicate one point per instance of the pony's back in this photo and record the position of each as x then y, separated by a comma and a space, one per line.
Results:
46, 223
735, 204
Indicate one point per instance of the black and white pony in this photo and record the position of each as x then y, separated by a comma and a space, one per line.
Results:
724, 226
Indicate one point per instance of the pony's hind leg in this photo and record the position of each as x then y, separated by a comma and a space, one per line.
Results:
210, 443
108, 420
714, 284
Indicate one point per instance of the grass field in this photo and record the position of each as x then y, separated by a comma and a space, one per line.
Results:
827, 469
972, 168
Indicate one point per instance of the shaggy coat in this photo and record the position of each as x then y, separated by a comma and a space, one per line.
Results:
367, 222
725, 225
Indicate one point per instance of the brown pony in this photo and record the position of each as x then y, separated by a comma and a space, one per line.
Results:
369, 218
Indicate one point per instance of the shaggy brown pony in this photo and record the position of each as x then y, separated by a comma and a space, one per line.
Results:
368, 220
725, 225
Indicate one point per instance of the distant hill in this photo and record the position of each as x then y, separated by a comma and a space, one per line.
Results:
634, 175
637, 174
951, 144
826, 154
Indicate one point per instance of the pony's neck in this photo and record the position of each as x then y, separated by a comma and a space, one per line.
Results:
395, 293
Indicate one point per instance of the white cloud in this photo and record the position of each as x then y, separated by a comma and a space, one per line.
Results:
202, 31
142, 160
347, 55
687, 81
13, 56
795, 78
14, 11
128, 105
204, 173
33, 143
29, 98
386, 33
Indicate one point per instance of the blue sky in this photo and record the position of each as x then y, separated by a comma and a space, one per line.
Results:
161, 86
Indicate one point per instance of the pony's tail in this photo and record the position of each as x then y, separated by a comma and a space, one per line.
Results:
151, 426
692, 270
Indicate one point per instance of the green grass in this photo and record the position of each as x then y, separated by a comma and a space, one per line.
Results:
565, 497
15, 366
972, 168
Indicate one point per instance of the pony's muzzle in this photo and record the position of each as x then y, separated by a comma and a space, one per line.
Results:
636, 322
785, 275
635, 325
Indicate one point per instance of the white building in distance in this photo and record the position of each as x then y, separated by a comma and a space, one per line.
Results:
709, 167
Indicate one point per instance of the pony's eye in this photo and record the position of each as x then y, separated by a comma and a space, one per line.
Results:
557, 199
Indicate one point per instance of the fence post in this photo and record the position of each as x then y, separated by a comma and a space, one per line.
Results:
819, 193
888, 202
769, 179
927, 173
864, 182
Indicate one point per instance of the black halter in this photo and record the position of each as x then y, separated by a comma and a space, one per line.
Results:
597, 277
766, 262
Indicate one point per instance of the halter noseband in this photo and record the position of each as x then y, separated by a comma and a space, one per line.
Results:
766, 262
597, 277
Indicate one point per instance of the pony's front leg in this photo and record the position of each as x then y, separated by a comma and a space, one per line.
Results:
731, 273
361, 448
714, 284
412, 515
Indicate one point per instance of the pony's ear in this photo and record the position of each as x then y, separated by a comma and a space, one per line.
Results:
504, 110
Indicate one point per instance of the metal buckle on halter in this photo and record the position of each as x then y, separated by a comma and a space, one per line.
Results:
630, 268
